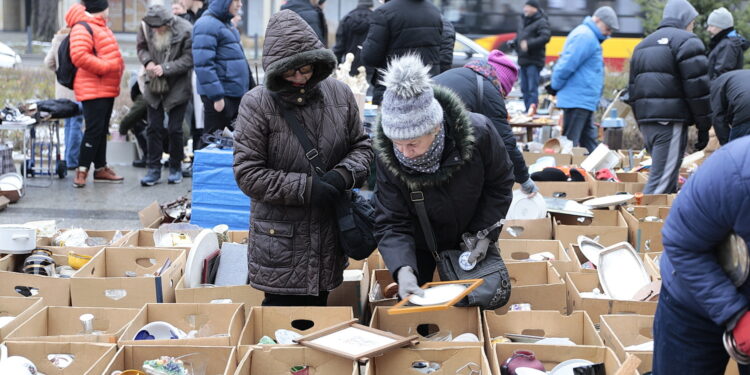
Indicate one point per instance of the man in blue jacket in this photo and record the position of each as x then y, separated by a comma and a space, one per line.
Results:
578, 76
698, 301
220, 64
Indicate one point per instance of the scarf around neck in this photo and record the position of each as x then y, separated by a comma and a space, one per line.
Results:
427, 163
485, 69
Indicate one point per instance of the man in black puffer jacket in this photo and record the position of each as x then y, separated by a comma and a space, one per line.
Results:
727, 46
730, 105
399, 27
307, 12
531, 45
669, 90
446, 47
352, 32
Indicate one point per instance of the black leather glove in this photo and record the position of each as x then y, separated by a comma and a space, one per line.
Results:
335, 179
322, 193
550, 90
702, 140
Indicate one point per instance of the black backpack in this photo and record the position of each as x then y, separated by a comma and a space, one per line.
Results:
66, 71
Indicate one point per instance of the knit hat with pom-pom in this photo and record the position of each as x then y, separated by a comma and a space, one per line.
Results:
409, 109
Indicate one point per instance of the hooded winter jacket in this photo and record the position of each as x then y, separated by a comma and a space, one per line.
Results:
220, 64
447, 46
96, 56
399, 27
727, 53
351, 34
470, 191
307, 12
294, 246
578, 75
669, 74
177, 66
536, 32
730, 102
714, 201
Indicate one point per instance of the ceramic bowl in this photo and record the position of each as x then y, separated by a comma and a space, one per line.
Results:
77, 260
17, 365
159, 331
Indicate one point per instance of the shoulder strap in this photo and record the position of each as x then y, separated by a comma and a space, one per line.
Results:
480, 90
88, 28
311, 153
417, 198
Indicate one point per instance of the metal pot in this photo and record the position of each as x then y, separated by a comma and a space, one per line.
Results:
734, 259
17, 239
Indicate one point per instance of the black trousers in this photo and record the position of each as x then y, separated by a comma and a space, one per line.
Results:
96, 113
213, 120
295, 300
174, 133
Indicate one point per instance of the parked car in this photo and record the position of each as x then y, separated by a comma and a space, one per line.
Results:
466, 50
8, 57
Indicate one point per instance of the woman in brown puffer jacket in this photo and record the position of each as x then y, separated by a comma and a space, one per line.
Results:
294, 253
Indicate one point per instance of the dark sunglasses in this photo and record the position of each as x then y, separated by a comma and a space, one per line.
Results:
305, 69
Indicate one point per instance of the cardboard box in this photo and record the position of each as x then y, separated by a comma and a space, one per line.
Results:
451, 360
13, 282
244, 294
264, 321
113, 237
63, 324
626, 160
89, 358
239, 236
596, 307
651, 262
575, 253
151, 216
145, 238
102, 281
375, 261
629, 183
535, 283
218, 324
645, 236
539, 229
22, 308
454, 321
514, 251
551, 355
664, 200
277, 360
621, 331
219, 360
608, 225
380, 279
353, 291
560, 159
569, 190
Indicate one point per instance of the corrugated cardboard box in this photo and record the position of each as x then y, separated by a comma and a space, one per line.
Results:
113, 238
622, 331
539, 229
264, 321
63, 324
89, 358
651, 262
353, 291
632, 183
144, 238
276, 360
103, 281
568, 190
514, 251
454, 321
380, 279
13, 282
219, 360
151, 216
608, 225
22, 308
218, 324
665, 200
596, 307
535, 283
551, 355
459, 360
645, 236
560, 159
244, 294
574, 251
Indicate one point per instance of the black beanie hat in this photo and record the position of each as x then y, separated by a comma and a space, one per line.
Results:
533, 3
95, 6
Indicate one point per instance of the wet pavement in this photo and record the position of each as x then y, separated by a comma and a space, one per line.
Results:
97, 206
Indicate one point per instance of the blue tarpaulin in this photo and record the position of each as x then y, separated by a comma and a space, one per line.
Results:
216, 197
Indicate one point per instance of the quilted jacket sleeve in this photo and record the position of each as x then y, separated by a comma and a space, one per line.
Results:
205, 41
727, 56
719, 108
375, 47
692, 65
494, 107
543, 34
446, 47
578, 48
360, 155
144, 55
251, 172
83, 56
341, 41
182, 64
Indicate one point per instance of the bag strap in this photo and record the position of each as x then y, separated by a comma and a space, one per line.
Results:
417, 198
311, 153
480, 90
91, 32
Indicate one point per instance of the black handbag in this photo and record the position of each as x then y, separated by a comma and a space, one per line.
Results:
354, 212
494, 291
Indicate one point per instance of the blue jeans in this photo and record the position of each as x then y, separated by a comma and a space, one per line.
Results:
687, 343
73, 138
578, 126
530, 85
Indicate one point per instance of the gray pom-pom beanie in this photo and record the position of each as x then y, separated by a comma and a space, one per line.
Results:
409, 109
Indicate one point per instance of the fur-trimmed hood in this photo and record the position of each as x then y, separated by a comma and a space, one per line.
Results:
459, 130
290, 43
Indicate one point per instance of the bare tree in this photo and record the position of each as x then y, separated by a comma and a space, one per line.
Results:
44, 19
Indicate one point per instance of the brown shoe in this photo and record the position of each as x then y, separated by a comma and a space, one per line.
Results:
81, 174
106, 174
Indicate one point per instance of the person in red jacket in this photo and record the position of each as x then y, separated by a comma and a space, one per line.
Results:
97, 83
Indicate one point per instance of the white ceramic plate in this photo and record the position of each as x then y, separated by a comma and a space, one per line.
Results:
608, 201
438, 295
621, 271
567, 207
566, 367
205, 244
590, 249
11, 181
524, 207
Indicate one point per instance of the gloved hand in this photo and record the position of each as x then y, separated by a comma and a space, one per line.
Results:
479, 251
550, 90
334, 179
322, 193
741, 333
702, 140
407, 283
529, 187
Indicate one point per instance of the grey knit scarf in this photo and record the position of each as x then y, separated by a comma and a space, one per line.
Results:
427, 163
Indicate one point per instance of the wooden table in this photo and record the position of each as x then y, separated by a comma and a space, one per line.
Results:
530, 126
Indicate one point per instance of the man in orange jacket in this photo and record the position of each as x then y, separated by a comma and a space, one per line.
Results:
97, 83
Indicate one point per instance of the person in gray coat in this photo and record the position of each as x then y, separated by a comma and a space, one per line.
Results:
727, 47
165, 50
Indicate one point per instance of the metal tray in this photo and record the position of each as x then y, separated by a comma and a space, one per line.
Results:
621, 271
